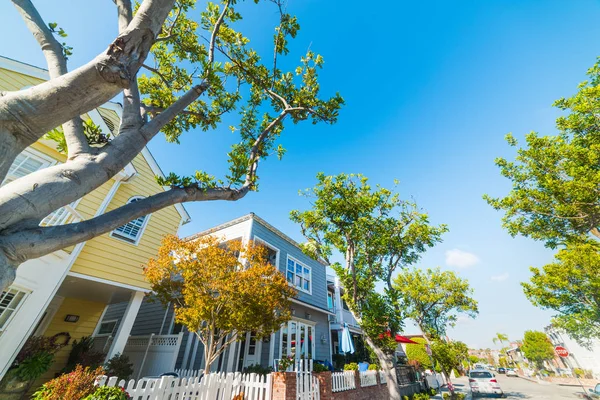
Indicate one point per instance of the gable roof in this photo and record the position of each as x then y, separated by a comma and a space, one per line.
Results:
41, 73
247, 217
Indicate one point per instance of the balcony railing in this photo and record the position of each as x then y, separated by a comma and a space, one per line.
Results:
62, 216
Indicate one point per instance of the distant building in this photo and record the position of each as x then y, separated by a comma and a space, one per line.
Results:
579, 356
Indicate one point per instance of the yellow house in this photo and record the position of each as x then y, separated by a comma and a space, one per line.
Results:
69, 290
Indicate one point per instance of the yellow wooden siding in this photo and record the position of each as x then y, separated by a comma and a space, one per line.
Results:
10, 80
89, 313
119, 261
112, 116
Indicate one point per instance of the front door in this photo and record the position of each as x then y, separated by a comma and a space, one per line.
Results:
252, 350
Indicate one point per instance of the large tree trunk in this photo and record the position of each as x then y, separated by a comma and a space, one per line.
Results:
388, 365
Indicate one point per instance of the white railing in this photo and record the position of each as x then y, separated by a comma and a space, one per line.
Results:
341, 381
223, 386
307, 386
62, 216
297, 366
382, 377
368, 378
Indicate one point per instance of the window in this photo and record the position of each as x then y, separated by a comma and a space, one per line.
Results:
298, 275
272, 251
107, 328
10, 302
26, 163
132, 231
297, 339
330, 301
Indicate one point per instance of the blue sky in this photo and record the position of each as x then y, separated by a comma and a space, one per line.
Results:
432, 88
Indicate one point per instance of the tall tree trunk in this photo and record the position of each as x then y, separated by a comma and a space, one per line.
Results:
389, 369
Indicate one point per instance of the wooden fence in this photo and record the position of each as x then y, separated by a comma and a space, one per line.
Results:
216, 386
341, 381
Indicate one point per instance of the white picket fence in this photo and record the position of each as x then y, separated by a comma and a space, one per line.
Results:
341, 381
216, 386
368, 378
189, 373
382, 377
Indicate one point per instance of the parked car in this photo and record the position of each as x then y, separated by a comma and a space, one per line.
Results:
501, 370
484, 382
511, 372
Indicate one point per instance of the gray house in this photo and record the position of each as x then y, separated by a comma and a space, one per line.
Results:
307, 335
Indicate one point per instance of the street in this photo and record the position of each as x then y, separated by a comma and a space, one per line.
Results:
518, 388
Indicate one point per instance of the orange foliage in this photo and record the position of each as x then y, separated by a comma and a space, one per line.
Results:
220, 290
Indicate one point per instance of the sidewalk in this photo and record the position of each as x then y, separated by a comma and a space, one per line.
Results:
460, 385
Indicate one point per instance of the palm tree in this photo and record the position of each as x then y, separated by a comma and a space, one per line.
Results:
500, 337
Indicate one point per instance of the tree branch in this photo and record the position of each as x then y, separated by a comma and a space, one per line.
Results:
215, 31
28, 114
57, 65
33, 243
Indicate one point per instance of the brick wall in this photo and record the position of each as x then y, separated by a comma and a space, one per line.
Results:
284, 388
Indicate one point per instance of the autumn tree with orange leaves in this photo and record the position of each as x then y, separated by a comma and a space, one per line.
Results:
220, 290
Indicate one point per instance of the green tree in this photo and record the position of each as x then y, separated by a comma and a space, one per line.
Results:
418, 353
433, 299
178, 69
570, 286
378, 234
554, 196
537, 348
448, 355
473, 359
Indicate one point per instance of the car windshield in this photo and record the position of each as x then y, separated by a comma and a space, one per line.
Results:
480, 374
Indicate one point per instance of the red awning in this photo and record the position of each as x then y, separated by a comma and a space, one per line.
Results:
404, 339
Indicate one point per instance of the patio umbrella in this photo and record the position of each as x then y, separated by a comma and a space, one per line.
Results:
346, 345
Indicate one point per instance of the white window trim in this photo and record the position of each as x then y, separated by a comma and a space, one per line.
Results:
303, 265
142, 228
269, 245
19, 306
46, 159
106, 322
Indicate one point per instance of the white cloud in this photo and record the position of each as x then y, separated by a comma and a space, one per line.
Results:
460, 259
500, 278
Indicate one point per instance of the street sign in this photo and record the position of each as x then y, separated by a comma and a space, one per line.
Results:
561, 351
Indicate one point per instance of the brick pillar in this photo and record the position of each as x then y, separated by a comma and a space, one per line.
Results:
284, 386
325, 388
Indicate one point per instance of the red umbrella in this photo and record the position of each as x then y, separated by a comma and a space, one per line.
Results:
404, 339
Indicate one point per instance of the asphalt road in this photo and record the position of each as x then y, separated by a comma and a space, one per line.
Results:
518, 388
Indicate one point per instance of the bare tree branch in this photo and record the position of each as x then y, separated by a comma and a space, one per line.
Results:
57, 65
213, 36
33, 243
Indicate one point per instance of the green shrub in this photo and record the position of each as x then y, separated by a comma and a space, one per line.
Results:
319, 368
34, 366
108, 393
257, 369
119, 366
405, 398
83, 354
351, 367
373, 367
432, 392
72, 386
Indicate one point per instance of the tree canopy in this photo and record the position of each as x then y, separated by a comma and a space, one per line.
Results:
571, 287
378, 234
555, 178
220, 291
537, 347
178, 69
449, 355
434, 299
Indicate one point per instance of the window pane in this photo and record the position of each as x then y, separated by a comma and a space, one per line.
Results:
290, 277
306, 285
298, 281
299, 269
306, 272
284, 340
290, 265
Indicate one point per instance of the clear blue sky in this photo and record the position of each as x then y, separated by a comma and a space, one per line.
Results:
431, 88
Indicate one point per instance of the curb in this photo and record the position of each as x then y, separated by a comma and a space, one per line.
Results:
539, 382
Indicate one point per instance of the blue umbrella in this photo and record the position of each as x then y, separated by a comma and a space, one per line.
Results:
346, 345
